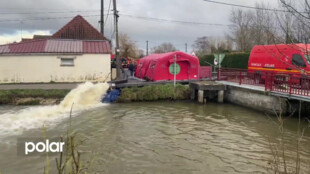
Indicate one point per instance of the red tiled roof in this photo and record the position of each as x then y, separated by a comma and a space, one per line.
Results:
27, 47
57, 46
94, 47
79, 28
60, 46
4, 49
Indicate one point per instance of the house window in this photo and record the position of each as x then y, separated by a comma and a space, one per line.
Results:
298, 60
67, 61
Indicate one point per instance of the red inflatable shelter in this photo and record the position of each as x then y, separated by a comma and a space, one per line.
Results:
161, 67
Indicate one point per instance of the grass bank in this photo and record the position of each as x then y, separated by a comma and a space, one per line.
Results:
32, 96
154, 93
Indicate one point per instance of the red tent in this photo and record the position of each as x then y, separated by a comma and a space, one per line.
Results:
161, 67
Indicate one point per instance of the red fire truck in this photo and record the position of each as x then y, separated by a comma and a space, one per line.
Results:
281, 60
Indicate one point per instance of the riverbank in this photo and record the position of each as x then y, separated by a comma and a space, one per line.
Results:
55, 96
32, 96
155, 93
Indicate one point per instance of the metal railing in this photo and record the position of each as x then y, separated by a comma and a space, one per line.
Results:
205, 72
288, 83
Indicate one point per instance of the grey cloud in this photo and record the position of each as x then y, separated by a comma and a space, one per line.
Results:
139, 30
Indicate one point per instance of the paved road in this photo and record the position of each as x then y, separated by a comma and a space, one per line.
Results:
39, 86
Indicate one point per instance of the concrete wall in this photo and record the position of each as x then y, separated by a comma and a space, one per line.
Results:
256, 100
47, 68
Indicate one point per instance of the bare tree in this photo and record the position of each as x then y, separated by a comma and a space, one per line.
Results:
263, 28
285, 23
242, 21
128, 48
301, 31
202, 45
140, 53
299, 10
257, 27
164, 48
220, 45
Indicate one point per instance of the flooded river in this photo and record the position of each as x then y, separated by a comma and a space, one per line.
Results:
165, 137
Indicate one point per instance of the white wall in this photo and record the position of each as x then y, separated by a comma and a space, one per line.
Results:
47, 68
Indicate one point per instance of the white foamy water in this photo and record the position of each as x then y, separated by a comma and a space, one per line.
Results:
85, 96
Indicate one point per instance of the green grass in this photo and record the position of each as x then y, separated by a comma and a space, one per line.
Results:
155, 92
8, 96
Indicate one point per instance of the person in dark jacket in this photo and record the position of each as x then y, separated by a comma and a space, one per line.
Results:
134, 67
131, 68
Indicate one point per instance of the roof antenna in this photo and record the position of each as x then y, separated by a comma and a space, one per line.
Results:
21, 30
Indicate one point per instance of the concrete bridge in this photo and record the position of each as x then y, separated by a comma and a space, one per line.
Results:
273, 93
255, 97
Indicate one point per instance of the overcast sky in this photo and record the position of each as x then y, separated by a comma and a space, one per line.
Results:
17, 18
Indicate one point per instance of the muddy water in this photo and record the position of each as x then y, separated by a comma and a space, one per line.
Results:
165, 137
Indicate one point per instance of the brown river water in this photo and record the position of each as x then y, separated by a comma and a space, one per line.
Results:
162, 137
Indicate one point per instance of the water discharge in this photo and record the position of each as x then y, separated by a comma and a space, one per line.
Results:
85, 96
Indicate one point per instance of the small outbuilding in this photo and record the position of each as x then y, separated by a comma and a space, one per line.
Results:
158, 67
76, 53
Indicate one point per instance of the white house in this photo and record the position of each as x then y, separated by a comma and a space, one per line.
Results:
76, 53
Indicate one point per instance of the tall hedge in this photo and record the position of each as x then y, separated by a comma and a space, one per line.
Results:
206, 60
237, 60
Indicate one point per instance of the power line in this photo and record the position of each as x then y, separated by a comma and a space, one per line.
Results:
112, 34
127, 15
106, 19
44, 18
249, 7
44, 9
48, 12
244, 6
175, 21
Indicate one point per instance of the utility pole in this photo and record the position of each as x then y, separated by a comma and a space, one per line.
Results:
147, 47
185, 47
175, 70
118, 61
102, 17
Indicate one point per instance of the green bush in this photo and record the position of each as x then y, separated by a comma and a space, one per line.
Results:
239, 60
155, 92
